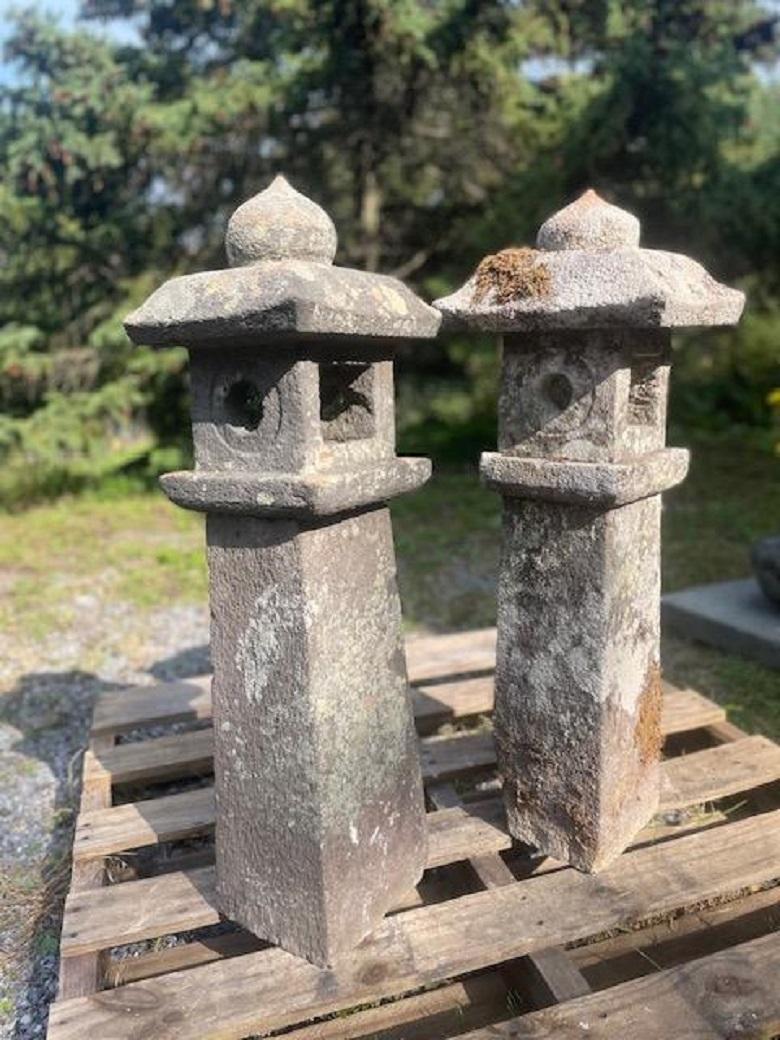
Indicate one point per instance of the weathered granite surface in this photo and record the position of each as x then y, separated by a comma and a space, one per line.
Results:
578, 681
581, 462
320, 813
320, 828
311, 495
765, 557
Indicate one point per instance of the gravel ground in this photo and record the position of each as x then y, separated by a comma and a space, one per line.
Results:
47, 689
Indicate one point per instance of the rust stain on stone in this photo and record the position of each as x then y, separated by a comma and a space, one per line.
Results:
511, 274
648, 736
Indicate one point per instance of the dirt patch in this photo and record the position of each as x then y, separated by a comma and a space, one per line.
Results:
511, 275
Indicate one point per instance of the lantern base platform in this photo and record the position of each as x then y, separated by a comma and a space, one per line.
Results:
295, 494
441, 964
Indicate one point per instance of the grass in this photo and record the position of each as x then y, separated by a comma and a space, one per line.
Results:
139, 549
136, 548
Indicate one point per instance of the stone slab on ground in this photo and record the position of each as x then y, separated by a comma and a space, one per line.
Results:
732, 615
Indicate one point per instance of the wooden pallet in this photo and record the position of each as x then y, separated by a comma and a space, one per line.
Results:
677, 939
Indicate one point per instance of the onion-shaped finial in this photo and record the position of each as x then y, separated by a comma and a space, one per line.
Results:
280, 224
589, 223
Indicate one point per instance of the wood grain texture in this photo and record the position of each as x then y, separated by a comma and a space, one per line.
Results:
107, 831
720, 771
227, 1000
456, 653
124, 710
727, 995
668, 944
693, 779
188, 754
442, 1012
434, 704
84, 974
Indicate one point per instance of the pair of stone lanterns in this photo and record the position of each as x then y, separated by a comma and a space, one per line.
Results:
320, 813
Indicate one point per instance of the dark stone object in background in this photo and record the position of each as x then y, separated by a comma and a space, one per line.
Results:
765, 557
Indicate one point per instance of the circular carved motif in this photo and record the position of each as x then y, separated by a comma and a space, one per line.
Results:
247, 416
552, 395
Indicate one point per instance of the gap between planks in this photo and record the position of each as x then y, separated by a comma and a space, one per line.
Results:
181, 754
727, 994
700, 777
178, 901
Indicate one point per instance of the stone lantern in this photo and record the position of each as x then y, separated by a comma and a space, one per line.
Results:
320, 816
581, 464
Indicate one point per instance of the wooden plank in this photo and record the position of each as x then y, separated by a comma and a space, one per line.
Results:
631, 954
130, 912
550, 977
448, 701
444, 758
185, 754
230, 999
175, 816
441, 1012
81, 975
546, 976
729, 994
456, 653
178, 958
725, 769
684, 710
124, 710
720, 771
161, 758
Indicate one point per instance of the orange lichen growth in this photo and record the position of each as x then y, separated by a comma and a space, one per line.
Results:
648, 735
511, 274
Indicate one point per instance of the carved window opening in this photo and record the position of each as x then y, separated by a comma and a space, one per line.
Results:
243, 405
346, 401
644, 392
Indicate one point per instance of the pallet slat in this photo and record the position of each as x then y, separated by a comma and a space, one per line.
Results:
271, 989
702, 776
170, 818
728, 994
125, 710
457, 653
121, 712
719, 772
183, 754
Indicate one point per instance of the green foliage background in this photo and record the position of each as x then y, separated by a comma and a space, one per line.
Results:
433, 131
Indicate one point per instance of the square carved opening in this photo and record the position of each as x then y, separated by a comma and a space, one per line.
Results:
645, 392
346, 401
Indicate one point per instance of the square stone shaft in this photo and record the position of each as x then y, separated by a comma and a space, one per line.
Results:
578, 691
319, 822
